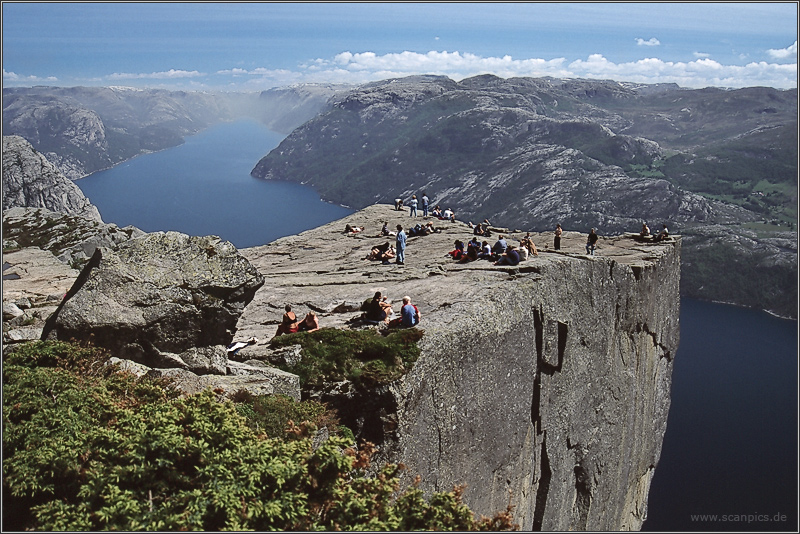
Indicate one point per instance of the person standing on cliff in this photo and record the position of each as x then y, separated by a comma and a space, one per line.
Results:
400, 245
425, 204
591, 242
413, 204
557, 238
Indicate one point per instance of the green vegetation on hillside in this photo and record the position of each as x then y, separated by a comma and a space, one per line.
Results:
88, 448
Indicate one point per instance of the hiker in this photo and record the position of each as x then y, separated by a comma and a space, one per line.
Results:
591, 242
529, 246
310, 323
511, 257
485, 252
458, 251
557, 237
401, 245
398, 204
425, 201
378, 309
409, 315
500, 246
645, 231
288, 322
662, 235
413, 204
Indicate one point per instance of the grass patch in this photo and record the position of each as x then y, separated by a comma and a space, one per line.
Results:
364, 357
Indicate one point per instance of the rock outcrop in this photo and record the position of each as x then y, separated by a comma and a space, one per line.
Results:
30, 180
164, 300
545, 386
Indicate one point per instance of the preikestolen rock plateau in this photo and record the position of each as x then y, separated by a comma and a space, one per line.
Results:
545, 386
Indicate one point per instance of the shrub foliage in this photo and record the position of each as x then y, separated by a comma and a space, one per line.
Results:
86, 447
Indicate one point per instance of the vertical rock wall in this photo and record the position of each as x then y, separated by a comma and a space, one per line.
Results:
549, 392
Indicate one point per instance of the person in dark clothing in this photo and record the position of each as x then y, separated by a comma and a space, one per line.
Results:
511, 257
591, 242
557, 237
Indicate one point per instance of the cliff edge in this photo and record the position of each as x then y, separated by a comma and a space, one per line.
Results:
545, 386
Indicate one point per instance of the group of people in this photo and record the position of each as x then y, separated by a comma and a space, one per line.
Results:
290, 324
501, 253
645, 234
379, 310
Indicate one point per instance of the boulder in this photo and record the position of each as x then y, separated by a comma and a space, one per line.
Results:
164, 300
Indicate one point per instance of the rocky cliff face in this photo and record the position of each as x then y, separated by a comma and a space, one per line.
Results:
544, 386
30, 180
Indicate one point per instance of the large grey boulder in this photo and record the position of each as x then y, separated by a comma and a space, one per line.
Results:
164, 300
30, 180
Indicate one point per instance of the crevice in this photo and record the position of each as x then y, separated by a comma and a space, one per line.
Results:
543, 489
583, 496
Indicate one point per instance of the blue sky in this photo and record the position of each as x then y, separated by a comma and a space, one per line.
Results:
256, 46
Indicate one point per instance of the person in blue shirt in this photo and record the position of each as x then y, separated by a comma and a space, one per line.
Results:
409, 314
400, 242
511, 257
424, 205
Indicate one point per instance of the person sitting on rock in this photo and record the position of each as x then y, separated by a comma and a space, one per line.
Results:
449, 215
310, 323
510, 257
437, 212
385, 232
499, 246
527, 243
379, 252
485, 252
471, 254
288, 324
378, 309
458, 251
409, 315
645, 234
662, 235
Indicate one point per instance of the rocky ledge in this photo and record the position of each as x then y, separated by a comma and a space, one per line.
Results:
545, 386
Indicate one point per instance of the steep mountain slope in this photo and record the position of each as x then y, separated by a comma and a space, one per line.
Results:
529, 153
29, 180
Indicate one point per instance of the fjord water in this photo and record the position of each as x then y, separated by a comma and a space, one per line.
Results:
204, 187
729, 460
731, 442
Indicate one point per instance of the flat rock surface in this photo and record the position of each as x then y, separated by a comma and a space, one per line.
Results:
323, 268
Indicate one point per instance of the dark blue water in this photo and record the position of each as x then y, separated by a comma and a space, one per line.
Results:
204, 187
731, 442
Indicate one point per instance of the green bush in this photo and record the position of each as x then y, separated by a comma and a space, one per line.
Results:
362, 356
88, 448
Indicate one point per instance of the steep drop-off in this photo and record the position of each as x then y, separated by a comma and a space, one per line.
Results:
545, 386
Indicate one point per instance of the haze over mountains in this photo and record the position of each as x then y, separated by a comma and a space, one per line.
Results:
717, 166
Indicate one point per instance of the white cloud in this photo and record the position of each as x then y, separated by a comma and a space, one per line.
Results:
9, 76
701, 54
650, 42
163, 75
783, 53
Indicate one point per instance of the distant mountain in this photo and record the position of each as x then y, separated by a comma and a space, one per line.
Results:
86, 129
29, 180
529, 153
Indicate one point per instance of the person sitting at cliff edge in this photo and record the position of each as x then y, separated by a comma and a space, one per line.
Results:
378, 309
510, 257
288, 324
310, 323
409, 315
